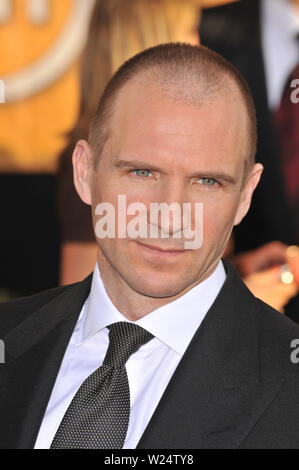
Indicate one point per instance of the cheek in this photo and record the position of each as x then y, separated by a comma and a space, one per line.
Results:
105, 190
218, 219
138, 192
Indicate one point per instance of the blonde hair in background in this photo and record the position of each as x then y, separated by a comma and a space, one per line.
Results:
148, 23
120, 29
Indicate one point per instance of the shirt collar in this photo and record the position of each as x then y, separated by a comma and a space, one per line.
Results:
174, 323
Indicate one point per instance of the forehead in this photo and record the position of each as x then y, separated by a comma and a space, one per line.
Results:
148, 124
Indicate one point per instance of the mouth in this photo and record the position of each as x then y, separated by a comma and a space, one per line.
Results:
159, 251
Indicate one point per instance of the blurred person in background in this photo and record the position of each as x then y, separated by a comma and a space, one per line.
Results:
117, 33
260, 37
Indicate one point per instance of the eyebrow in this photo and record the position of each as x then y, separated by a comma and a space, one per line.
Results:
139, 164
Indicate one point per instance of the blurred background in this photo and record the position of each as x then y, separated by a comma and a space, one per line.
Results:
40, 47
56, 58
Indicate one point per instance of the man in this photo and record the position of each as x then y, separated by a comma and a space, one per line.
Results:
163, 346
260, 37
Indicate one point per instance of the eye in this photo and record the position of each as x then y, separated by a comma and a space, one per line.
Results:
142, 173
208, 181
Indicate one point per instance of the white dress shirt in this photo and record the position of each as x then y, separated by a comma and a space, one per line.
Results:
280, 25
149, 369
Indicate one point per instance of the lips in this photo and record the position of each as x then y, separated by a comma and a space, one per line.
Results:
162, 250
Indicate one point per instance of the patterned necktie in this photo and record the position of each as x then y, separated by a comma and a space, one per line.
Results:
287, 125
98, 415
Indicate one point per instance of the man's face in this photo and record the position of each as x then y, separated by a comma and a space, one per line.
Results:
161, 151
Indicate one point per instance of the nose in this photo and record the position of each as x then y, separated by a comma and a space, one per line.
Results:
169, 204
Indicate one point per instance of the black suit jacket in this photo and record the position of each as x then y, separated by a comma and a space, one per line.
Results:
234, 31
235, 387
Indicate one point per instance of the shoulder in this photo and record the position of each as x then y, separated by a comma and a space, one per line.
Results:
260, 331
273, 323
16, 311
278, 342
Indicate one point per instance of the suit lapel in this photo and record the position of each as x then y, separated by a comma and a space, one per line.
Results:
217, 392
34, 352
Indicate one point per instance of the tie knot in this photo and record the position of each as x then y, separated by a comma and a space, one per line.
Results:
124, 340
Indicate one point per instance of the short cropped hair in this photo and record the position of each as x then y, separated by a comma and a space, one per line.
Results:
186, 73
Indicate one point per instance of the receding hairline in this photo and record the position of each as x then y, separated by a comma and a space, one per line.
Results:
180, 82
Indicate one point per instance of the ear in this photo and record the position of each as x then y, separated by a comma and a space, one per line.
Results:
251, 183
82, 169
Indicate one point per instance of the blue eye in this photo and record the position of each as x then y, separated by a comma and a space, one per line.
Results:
142, 173
208, 181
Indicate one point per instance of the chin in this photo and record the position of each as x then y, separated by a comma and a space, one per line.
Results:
155, 285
